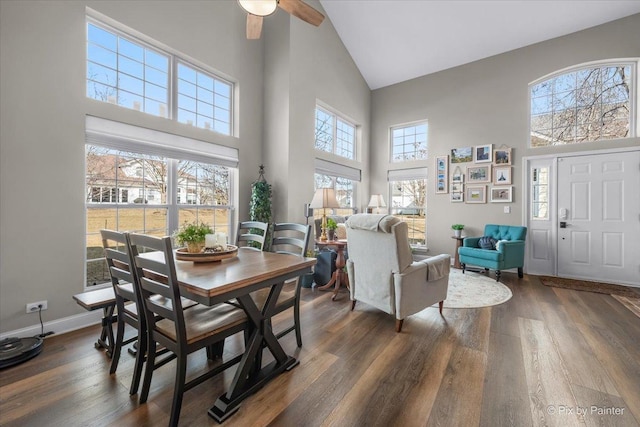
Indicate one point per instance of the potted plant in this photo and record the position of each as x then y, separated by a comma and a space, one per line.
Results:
332, 225
260, 204
457, 229
192, 235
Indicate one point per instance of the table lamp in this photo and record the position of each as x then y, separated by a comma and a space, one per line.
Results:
377, 201
323, 199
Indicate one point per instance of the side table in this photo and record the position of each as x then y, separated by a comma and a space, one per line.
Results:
456, 258
339, 276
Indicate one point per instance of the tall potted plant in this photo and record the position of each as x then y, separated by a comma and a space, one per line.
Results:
260, 204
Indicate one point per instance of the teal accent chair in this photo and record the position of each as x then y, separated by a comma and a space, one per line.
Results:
509, 252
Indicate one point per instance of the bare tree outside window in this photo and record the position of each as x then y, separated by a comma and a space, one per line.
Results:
588, 104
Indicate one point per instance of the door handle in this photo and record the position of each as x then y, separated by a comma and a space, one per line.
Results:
563, 224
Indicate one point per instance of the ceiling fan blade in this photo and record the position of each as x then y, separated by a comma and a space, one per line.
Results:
254, 26
301, 10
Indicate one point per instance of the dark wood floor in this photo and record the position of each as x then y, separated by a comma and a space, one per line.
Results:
530, 361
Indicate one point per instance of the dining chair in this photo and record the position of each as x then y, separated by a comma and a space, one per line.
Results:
252, 234
292, 239
123, 281
180, 331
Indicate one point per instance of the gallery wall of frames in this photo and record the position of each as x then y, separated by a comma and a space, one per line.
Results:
475, 174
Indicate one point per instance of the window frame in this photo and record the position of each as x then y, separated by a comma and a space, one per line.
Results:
174, 59
634, 113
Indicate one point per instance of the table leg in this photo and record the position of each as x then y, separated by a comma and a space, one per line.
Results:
250, 377
106, 339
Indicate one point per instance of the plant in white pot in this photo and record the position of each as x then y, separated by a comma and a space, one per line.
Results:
457, 229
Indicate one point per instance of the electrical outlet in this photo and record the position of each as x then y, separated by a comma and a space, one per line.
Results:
34, 307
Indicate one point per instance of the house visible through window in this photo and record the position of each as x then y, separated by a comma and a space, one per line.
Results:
334, 134
583, 104
133, 74
409, 143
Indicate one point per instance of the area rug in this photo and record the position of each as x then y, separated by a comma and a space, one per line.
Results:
474, 290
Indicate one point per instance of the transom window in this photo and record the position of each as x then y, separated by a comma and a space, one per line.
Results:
335, 134
127, 72
584, 104
409, 143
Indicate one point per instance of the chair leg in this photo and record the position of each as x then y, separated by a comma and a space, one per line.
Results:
178, 391
296, 320
148, 369
520, 272
498, 275
115, 356
463, 265
140, 356
353, 304
399, 324
440, 305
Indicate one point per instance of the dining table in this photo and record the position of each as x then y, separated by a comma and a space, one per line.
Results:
212, 283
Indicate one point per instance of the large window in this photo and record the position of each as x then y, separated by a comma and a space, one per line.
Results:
408, 202
335, 134
584, 104
344, 188
409, 143
133, 74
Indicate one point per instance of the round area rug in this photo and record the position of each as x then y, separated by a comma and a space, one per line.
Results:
474, 290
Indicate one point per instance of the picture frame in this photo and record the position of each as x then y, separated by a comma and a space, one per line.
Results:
457, 175
457, 187
442, 174
483, 153
502, 194
476, 194
477, 174
461, 155
501, 175
502, 156
457, 197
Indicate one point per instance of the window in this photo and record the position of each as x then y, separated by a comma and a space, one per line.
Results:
344, 188
409, 143
147, 181
584, 104
132, 74
540, 193
334, 134
203, 100
408, 201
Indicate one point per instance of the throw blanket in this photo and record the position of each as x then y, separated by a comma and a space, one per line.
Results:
438, 266
370, 222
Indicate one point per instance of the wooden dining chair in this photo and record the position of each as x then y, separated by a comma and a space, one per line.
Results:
123, 281
292, 239
180, 331
252, 234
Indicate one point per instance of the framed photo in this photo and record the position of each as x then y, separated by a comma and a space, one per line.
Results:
502, 156
476, 194
457, 197
457, 175
478, 174
442, 174
502, 175
502, 194
483, 154
461, 155
457, 187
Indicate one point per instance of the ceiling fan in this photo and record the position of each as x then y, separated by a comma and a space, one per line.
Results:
257, 9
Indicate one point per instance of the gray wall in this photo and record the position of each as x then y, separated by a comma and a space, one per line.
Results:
42, 119
486, 102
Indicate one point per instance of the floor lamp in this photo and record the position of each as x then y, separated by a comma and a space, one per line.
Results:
376, 202
324, 198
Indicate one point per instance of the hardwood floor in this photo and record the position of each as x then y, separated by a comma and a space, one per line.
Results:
527, 362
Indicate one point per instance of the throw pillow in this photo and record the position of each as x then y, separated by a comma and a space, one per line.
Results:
487, 242
499, 243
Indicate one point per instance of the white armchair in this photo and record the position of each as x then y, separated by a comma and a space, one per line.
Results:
382, 272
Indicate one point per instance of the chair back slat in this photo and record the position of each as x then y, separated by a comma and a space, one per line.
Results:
252, 232
290, 238
118, 259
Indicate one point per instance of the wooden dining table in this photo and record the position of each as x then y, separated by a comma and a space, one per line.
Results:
217, 282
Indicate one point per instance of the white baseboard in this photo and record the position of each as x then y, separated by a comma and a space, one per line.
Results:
59, 326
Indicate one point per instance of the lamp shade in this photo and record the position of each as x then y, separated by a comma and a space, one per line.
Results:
377, 201
324, 198
259, 7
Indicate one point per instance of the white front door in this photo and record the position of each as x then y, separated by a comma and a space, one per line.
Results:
598, 217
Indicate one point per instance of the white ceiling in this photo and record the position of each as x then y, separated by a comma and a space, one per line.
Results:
396, 40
